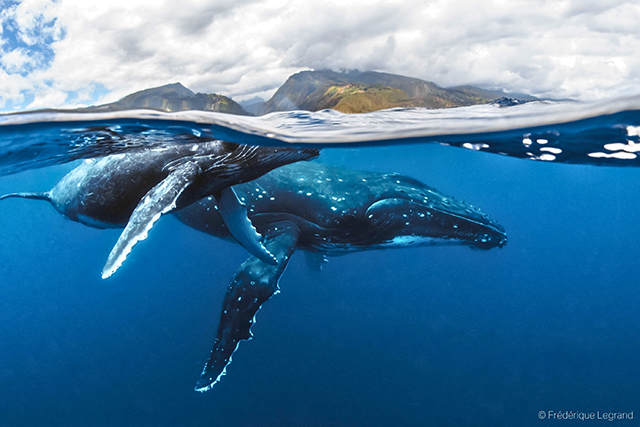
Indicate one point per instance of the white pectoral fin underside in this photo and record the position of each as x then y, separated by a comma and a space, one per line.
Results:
159, 200
235, 218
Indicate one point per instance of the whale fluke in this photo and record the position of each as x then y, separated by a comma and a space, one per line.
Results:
36, 196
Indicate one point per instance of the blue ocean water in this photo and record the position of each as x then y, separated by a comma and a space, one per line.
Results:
442, 336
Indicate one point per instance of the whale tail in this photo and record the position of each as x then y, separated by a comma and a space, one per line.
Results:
36, 196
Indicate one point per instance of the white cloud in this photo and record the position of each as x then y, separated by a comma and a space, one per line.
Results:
16, 60
573, 48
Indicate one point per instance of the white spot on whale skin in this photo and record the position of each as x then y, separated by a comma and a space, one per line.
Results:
551, 150
527, 142
541, 141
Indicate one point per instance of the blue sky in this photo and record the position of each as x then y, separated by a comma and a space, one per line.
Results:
70, 53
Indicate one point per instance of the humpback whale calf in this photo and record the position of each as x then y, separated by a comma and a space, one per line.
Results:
132, 190
327, 210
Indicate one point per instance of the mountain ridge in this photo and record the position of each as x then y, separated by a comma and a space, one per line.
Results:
308, 90
348, 92
173, 97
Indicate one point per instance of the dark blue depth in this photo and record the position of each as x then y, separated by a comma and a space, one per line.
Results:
442, 336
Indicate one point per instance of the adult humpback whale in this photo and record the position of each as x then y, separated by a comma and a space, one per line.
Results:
328, 211
132, 190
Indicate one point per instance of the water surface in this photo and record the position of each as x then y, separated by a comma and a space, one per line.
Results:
442, 336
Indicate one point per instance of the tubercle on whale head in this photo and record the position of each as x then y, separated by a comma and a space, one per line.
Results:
404, 222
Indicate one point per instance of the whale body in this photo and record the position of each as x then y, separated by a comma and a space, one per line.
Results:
132, 190
327, 210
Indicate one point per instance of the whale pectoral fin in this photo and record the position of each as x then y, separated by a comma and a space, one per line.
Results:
234, 215
159, 200
252, 285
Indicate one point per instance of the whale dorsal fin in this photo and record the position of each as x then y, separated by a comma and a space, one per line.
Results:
254, 283
234, 215
159, 200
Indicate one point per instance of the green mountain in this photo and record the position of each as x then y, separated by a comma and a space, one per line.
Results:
173, 97
348, 92
359, 98
359, 92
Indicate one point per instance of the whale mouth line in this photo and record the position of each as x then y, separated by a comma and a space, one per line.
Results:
489, 224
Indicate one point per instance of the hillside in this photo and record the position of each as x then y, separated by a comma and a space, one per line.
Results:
359, 98
359, 92
350, 92
173, 97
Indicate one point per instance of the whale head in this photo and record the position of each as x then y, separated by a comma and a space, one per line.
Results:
416, 214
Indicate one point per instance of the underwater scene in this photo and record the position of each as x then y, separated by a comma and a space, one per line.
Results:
473, 266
